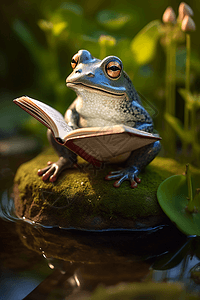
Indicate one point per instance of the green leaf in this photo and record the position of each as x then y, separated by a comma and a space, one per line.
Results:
143, 46
72, 8
112, 19
45, 25
59, 27
107, 40
56, 27
195, 61
188, 98
197, 198
177, 125
189, 183
193, 101
148, 105
172, 196
27, 38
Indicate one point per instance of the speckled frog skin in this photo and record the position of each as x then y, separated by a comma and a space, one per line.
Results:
105, 96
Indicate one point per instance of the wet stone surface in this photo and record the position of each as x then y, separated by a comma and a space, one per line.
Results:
82, 199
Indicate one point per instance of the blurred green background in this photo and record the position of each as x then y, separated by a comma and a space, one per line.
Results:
38, 39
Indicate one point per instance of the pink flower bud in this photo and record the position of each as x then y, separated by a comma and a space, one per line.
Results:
169, 16
188, 24
184, 9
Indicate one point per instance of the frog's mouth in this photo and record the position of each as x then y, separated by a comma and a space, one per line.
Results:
77, 86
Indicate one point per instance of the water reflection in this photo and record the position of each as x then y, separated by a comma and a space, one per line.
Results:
78, 261
94, 247
15, 287
21, 269
7, 206
181, 273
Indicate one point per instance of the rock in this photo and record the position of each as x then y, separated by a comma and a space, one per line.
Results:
82, 199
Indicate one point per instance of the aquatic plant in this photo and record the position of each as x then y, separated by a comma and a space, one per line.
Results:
169, 28
180, 203
187, 131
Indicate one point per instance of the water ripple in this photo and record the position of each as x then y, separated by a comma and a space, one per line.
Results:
7, 207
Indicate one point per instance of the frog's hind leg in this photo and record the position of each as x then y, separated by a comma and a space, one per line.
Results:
135, 163
66, 160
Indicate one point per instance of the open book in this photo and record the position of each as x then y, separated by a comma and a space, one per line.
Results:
94, 144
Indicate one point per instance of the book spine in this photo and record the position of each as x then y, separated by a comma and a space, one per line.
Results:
78, 150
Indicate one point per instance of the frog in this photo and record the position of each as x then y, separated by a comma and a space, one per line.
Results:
106, 96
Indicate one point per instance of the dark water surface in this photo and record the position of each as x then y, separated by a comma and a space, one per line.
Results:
53, 263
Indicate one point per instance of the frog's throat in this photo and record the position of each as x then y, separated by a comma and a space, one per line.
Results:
76, 85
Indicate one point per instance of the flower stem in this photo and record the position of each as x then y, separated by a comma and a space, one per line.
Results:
188, 49
167, 91
187, 87
170, 89
193, 124
187, 80
173, 78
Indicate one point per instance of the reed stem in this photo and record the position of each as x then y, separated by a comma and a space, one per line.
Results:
187, 80
187, 87
167, 88
173, 77
188, 49
170, 89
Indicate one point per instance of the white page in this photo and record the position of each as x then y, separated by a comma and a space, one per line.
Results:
56, 116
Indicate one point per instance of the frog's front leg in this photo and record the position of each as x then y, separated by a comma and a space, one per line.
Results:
135, 163
66, 160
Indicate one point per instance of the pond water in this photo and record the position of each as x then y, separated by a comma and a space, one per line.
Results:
54, 263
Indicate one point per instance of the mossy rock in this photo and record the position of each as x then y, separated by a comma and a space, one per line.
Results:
81, 198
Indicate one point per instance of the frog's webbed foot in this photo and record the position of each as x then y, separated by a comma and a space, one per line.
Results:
67, 159
53, 170
135, 163
130, 173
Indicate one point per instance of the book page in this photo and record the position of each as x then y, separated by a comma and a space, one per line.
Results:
95, 131
35, 112
115, 129
106, 147
50, 114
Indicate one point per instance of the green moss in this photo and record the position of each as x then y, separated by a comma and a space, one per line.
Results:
83, 192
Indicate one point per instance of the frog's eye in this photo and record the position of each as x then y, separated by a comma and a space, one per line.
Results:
113, 69
74, 61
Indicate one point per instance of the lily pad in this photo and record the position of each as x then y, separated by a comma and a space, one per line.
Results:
173, 198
